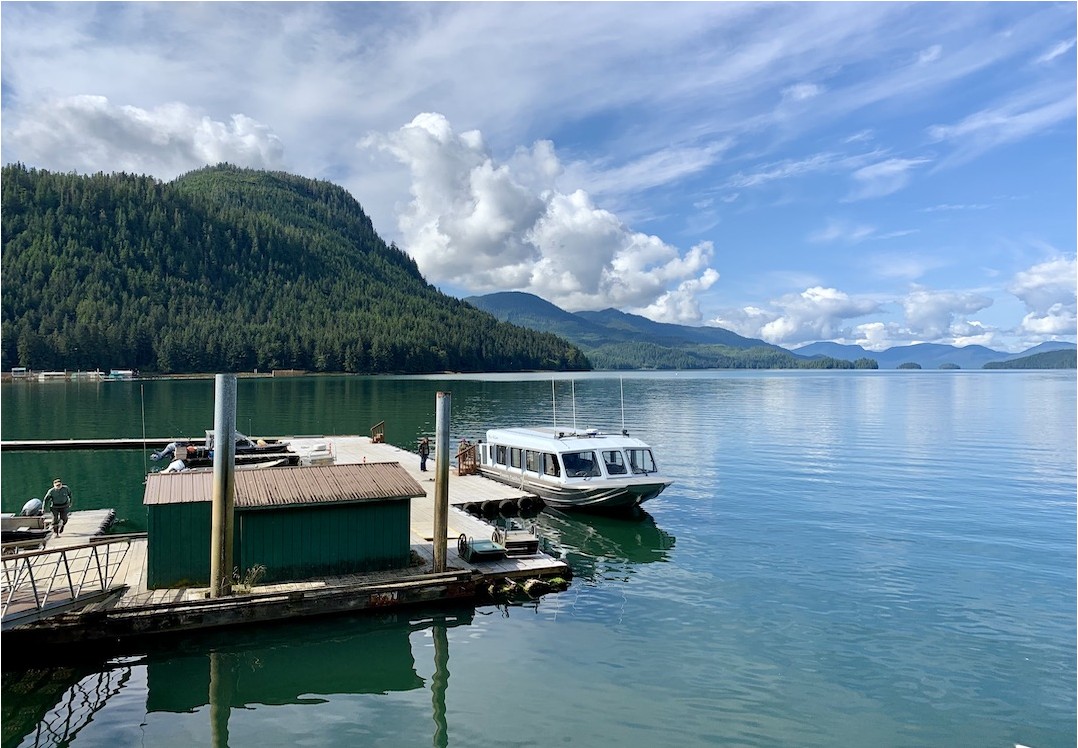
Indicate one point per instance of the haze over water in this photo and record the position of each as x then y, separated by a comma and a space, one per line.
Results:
845, 558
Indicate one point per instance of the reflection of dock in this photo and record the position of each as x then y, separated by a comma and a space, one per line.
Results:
290, 664
120, 604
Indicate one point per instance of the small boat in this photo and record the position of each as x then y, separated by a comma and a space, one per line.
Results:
29, 526
121, 375
246, 448
573, 470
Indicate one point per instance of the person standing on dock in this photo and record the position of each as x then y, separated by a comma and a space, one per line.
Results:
58, 499
424, 453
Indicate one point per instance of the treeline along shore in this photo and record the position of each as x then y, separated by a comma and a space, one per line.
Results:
228, 269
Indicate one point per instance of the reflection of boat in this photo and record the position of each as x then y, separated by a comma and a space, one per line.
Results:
248, 452
634, 539
571, 469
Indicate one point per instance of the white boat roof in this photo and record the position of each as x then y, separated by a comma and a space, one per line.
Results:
548, 439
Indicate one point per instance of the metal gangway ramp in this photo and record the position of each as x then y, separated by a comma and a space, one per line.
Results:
44, 583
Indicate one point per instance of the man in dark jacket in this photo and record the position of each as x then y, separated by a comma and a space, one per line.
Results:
58, 499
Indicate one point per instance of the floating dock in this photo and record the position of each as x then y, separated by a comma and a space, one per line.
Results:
85, 586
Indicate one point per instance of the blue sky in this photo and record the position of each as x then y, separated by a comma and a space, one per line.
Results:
870, 173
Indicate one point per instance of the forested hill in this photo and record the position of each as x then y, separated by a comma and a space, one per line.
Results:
228, 269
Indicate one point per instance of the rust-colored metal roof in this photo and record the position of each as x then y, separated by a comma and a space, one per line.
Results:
291, 486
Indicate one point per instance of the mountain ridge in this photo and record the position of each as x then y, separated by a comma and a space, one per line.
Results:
605, 335
617, 340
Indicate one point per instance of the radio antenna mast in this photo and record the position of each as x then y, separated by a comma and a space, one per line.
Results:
622, 379
554, 404
574, 405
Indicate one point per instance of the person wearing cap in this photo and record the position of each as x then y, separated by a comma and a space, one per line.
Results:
58, 499
424, 453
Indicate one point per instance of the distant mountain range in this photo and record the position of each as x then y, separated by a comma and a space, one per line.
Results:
615, 340
933, 355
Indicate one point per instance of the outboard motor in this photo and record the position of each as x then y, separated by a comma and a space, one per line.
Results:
32, 508
168, 451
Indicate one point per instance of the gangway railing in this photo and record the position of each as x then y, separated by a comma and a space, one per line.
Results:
37, 584
378, 432
467, 462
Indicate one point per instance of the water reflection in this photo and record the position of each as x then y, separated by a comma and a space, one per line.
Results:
51, 707
590, 542
303, 663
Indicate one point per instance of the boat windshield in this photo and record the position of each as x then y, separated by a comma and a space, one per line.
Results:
580, 464
641, 461
615, 462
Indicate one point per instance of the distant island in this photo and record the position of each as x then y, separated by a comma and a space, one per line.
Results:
1045, 360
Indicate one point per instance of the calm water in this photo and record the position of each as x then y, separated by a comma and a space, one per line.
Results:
851, 558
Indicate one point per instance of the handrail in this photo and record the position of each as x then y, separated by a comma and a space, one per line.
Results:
467, 464
37, 579
378, 432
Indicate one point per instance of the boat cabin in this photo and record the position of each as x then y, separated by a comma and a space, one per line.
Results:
558, 454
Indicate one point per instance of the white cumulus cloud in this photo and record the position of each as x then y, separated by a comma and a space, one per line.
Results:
932, 315
816, 313
89, 134
485, 226
1048, 291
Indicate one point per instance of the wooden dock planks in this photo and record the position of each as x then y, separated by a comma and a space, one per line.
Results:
157, 609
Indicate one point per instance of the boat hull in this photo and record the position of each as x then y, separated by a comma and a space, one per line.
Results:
595, 496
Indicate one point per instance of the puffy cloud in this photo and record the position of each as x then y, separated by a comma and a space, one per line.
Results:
875, 336
89, 134
816, 313
1048, 291
681, 305
1046, 284
488, 226
931, 315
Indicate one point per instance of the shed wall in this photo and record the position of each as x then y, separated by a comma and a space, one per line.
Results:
300, 543
178, 553
293, 543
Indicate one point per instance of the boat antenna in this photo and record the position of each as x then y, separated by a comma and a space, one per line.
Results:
142, 396
574, 404
622, 380
554, 404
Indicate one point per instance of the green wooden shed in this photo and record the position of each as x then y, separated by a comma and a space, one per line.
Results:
298, 522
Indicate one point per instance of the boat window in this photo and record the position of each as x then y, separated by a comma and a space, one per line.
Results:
615, 462
531, 460
641, 461
514, 457
550, 465
500, 456
580, 464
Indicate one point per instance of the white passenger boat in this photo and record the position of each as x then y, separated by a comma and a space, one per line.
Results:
573, 470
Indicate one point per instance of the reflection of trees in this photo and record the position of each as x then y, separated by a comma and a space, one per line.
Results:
51, 707
614, 541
